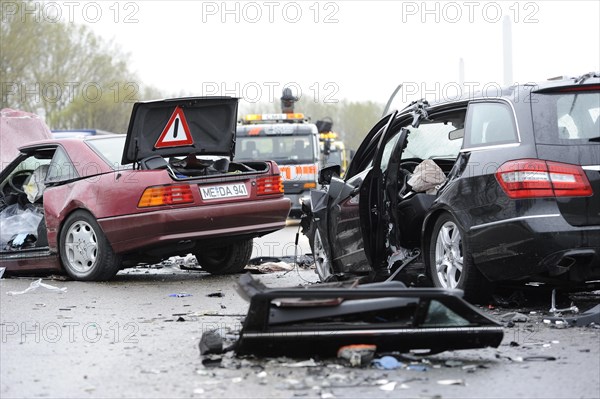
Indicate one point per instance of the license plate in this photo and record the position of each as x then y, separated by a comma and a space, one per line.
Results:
224, 191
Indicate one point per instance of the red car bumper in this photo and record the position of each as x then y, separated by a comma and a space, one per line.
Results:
165, 226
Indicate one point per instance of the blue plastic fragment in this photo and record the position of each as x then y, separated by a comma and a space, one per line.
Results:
387, 363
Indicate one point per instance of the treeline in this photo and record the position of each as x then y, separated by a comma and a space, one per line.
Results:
78, 80
64, 71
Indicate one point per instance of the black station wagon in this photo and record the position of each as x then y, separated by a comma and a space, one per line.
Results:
481, 189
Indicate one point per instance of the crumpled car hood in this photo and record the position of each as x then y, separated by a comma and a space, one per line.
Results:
18, 128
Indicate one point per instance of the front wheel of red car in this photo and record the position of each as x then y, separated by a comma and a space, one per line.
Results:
450, 262
85, 252
228, 259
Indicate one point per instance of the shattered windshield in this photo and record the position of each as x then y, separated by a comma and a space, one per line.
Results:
430, 140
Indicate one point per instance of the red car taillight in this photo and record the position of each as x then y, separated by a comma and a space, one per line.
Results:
269, 185
166, 195
531, 178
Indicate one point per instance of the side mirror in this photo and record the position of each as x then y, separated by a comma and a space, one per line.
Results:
328, 172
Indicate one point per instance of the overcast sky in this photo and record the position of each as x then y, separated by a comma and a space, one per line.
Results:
358, 50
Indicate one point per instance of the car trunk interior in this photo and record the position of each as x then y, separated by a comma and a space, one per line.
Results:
192, 167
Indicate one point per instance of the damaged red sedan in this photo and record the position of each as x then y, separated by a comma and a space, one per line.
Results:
96, 205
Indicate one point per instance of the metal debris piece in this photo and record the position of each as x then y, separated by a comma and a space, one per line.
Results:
586, 318
211, 342
554, 310
357, 355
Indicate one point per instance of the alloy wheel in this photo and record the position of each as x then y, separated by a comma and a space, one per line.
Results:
81, 246
449, 255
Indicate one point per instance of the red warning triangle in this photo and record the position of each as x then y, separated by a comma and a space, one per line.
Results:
176, 133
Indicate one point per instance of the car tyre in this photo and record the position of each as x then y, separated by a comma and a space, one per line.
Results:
450, 263
85, 253
227, 259
323, 264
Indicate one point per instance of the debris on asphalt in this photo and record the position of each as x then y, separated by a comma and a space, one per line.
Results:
216, 295
554, 310
387, 363
35, 285
270, 267
417, 367
357, 355
582, 320
211, 342
305, 363
212, 361
539, 358
180, 295
390, 386
514, 317
451, 382
271, 264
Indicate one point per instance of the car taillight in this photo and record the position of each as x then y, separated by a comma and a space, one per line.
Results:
531, 178
269, 185
166, 195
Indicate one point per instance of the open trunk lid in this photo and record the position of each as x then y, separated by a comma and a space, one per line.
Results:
180, 127
566, 123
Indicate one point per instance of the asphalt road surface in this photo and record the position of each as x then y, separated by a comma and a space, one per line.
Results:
137, 336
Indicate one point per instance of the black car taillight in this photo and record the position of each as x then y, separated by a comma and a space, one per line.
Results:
533, 178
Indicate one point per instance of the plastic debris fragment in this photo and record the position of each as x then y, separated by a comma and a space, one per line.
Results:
387, 363
451, 382
35, 285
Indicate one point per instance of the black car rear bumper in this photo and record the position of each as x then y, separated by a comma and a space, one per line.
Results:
536, 245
